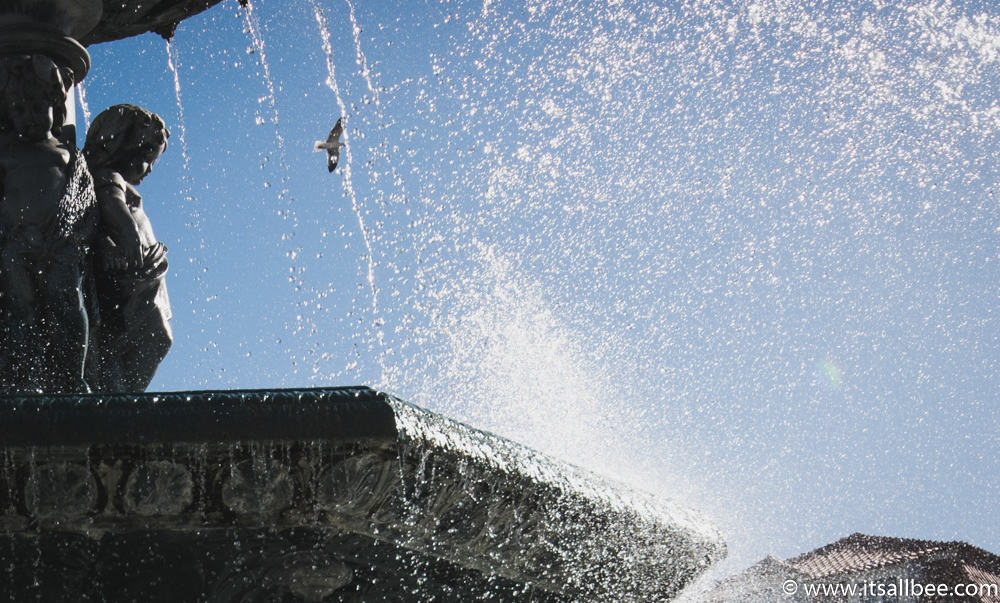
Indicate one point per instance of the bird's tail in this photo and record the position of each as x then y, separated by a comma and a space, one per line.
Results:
319, 145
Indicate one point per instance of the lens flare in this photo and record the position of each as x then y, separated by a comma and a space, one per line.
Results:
833, 373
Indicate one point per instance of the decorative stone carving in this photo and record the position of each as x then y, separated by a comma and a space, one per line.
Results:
355, 485
308, 575
158, 488
317, 580
132, 330
66, 319
47, 219
257, 487
60, 491
50, 28
415, 506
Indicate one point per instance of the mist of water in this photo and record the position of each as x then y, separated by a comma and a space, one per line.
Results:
640, 229
742, 254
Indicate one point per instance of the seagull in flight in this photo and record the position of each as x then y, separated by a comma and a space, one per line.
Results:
332, 145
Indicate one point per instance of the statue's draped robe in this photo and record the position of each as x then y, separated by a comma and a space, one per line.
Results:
134, 331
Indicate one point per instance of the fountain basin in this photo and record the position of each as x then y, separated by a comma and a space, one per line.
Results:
320, 494
125, 18
58, 27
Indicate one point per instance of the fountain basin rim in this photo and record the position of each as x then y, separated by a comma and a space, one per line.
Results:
350, 459
344, 414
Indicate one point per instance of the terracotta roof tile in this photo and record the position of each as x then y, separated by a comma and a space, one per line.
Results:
980, 576
861, 552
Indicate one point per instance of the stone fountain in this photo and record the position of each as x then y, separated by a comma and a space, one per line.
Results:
344, 494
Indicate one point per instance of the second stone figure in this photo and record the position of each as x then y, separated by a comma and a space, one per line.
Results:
133, 331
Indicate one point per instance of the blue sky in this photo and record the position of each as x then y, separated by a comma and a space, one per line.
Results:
743, 255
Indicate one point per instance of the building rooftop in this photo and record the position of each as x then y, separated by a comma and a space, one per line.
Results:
859, 554
862, 552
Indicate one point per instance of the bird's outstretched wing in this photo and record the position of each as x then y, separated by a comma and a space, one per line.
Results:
332, 145
336, 133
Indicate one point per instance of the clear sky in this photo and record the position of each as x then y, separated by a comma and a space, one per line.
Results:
742, 255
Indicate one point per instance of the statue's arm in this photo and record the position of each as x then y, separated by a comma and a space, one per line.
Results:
117, 221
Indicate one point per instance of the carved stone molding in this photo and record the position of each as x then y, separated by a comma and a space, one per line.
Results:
392, 490
60, 491
158, 488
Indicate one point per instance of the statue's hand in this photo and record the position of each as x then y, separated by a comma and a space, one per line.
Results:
110, 260
115, 260
131, 255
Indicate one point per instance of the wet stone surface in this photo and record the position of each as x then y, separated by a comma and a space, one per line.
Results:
124, 18
396, 503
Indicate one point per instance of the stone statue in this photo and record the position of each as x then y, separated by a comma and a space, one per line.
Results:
83, 303
48, 217
133, 334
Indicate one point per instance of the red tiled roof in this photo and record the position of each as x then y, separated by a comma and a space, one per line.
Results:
979, 576
860, 552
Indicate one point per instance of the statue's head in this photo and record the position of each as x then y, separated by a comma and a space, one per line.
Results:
127, 139
32, 96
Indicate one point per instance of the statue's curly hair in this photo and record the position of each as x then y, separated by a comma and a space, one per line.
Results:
117, 131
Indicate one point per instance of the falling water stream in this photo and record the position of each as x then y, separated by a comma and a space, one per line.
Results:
742, 254
359, 54
172, 66
253, 29
82, 95
331, 82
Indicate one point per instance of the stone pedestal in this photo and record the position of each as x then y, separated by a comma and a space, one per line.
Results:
314, 495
